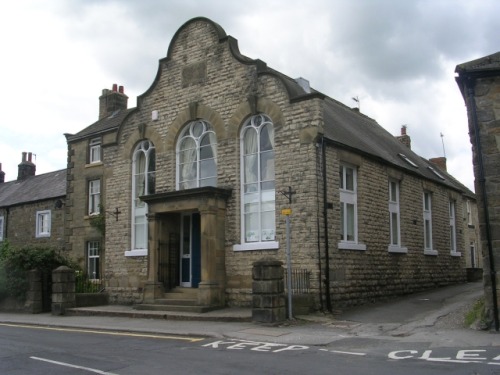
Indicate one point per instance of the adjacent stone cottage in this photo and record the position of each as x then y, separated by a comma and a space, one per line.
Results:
31, 207
192, 183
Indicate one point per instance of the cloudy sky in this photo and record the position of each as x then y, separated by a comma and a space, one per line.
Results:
397, 57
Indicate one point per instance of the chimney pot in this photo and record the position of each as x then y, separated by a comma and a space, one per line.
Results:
115, 86
403, 130
120, 89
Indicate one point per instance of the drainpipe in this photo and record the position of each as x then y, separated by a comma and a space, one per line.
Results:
482, 186
318, 226
325, 214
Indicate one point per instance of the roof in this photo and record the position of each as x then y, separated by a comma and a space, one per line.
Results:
490, 62
352, 130
104, 125
32, 189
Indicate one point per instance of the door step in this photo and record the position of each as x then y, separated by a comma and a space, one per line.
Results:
178, 300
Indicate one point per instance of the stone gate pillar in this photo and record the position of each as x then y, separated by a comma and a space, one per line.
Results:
63, 290
268, 289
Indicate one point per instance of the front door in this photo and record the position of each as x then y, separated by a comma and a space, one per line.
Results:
190, 258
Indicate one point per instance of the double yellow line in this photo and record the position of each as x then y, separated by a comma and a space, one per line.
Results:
104, 332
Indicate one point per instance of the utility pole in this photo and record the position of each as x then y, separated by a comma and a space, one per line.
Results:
287, 212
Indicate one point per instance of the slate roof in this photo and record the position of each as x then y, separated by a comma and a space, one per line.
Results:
32, 189
352, 130
104, 125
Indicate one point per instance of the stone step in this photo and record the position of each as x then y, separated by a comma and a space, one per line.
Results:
177, 308
176, 301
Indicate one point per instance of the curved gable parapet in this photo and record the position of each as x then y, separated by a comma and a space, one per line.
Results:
295, 92
221, 33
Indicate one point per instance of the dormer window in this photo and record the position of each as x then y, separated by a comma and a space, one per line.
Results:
406, 159
95, 150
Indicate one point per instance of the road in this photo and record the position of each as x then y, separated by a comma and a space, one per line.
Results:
50, 350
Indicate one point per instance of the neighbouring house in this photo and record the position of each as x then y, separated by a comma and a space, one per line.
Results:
31, 207
479, 83
192, 185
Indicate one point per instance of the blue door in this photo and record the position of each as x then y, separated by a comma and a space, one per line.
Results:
190, 250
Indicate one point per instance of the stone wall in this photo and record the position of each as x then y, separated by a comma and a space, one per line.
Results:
361, 276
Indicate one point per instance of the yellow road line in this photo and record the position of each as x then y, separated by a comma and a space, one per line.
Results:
111, 333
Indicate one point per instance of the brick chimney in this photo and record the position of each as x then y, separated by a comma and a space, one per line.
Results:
111, 101
2, 175
404, 138
27, 168
439, 162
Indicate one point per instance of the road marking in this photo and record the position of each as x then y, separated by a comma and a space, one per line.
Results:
341, 352
110, 333
72, 366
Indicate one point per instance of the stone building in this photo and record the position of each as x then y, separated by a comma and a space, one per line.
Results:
31, 207
192, 184
479, 83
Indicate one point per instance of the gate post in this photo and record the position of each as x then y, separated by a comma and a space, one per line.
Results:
268, 289
63, 290
34, 297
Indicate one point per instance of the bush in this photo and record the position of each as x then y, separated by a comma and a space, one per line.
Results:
14, 264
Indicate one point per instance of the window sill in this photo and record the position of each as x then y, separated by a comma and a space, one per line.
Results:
455, 253
397, 249
95, 164
431, 252
351, 246
42, 235
270, 245
136, 253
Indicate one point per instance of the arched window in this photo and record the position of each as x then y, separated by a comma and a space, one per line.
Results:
197, 156
143, 183
257, 180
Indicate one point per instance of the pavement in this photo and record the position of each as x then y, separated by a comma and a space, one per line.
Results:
433, 318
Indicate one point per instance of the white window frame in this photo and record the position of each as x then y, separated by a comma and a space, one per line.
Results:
472, 249
93, 260
196, 132
1, 227
43, 223
146, 179
95, 151
427, 224
94, 197
263, 198
469, 212
348, 196
453, 230
395, 218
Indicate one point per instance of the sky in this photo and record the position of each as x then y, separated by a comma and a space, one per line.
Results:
396, 57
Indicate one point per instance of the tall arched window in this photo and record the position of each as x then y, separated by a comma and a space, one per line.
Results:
197, 156
143, 183
258, 190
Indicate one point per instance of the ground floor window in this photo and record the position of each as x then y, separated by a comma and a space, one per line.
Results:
93, 255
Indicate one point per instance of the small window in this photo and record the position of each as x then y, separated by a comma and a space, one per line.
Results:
94, 197
1, 228
395, 219
95, 150
93, 254
43, 224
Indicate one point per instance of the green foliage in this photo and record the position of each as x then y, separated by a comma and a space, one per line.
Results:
476, 314
85, 285
99, 221
15, 263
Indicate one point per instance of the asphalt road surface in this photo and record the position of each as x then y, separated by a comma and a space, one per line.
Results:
49, 350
